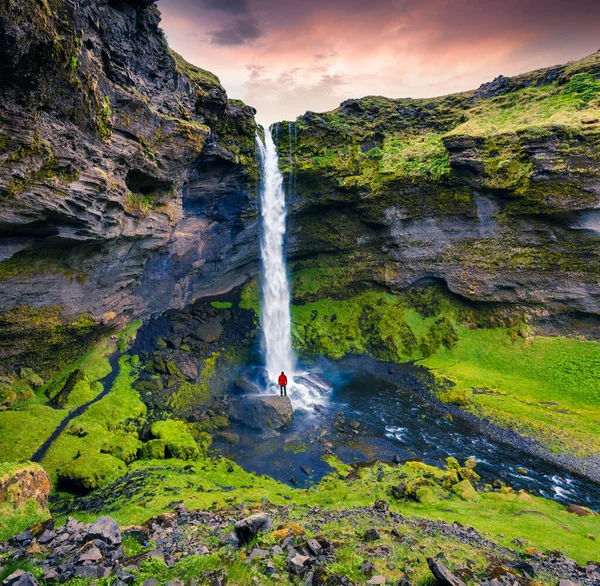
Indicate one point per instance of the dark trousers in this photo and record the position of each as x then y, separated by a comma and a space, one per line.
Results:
283, 390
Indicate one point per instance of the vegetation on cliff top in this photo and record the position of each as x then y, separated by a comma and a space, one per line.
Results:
376, 144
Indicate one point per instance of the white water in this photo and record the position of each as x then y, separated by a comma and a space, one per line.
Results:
275, 309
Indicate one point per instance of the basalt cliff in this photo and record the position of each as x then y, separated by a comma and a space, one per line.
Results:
125, 175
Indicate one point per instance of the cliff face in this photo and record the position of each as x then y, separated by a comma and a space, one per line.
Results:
126, 174
494, 192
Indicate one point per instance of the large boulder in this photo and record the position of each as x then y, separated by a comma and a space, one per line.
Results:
19, 483
105, 529
248, 528
262, 412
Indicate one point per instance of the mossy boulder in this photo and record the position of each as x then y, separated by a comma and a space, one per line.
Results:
464, 489
24, 491
154, 450
178, 439
89, 472
20, 483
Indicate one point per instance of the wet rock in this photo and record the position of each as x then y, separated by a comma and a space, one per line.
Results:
442, 574
20, 578
104, 529
262, 412
209, 331
247, 386
251, 526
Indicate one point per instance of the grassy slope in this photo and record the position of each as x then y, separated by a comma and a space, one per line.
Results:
409, 135
543, 523
546, 388
24, 428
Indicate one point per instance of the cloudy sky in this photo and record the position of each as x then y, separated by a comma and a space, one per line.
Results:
285, 57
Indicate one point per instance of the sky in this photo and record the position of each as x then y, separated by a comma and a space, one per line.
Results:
285, 57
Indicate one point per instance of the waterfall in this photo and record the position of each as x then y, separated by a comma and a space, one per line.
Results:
304, 388
275, 288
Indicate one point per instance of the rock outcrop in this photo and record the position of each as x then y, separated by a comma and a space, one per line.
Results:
126, 175
262, 412
493, 193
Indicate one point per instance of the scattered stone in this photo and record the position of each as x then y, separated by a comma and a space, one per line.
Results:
250, 527
151, 582
442, 574
367, 568
381, 505
105, 529
93, 554
376, 580
525, 568
564, 582
298, 564
372, 535
20, 578
314, 547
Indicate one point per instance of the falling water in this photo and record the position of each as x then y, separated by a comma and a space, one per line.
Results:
304, 388
275, 288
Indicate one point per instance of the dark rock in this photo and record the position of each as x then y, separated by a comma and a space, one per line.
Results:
298, 564
151, 582
104, 529
247, 386
442, 574
367, 568
251, 526
525, 568
20, 578
209, 331
262, 412
314, 547
372, 535
381, 505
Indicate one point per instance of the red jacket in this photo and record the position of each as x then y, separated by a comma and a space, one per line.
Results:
282, 380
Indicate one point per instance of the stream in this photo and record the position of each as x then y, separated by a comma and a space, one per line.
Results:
368, 418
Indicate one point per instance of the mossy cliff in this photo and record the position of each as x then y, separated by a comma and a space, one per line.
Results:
107, 139
492, 191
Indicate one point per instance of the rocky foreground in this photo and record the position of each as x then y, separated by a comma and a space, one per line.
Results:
279, 544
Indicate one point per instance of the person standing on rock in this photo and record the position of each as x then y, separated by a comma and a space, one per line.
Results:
282, 384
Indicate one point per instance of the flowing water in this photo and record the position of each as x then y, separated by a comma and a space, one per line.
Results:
275, 308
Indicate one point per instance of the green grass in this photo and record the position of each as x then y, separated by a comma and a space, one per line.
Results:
544, 387
535, 108
542, 523
22, 432
109, 426
415, 156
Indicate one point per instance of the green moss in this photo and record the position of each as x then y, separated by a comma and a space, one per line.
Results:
90, 471
179, 441
103, 120
43, 338
110, 426
221, 304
